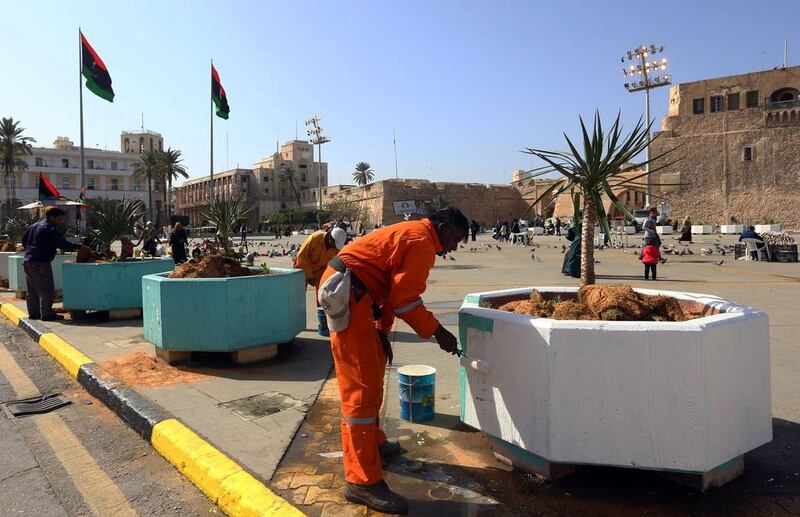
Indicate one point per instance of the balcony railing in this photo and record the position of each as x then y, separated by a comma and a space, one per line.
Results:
781, 105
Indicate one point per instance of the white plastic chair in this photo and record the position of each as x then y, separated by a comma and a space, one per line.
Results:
753, 247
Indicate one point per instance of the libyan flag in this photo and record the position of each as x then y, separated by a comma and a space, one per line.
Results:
98, 81
46, 189
218, 95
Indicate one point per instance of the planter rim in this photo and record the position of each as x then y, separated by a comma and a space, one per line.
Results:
728, 311
117, 263
162, 277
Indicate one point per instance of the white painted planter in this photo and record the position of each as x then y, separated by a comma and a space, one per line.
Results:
684, 397
761, 228
731, 229
664, 230
536, 230
630, 230
700, 229
4, 262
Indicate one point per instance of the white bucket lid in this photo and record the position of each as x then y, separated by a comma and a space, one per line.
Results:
416, 370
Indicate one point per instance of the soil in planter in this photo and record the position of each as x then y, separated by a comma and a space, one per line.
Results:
213, 266
7, 246
603, 302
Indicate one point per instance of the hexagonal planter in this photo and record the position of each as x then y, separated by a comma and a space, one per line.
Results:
761, 228
731, 229
688, 398
4, 262
664, 230
16, 273
702, 229
246, 316
109, 286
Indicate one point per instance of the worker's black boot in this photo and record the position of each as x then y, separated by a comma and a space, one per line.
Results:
388, 450
376, 497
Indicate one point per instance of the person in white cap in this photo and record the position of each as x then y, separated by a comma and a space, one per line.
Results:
315, 253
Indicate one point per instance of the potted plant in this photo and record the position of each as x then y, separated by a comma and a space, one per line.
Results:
610, 375
214, 304
106, 280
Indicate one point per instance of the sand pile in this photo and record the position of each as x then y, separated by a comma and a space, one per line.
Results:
603, 302
139, 369
212, 266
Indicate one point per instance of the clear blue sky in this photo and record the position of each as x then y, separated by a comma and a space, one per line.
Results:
466, 84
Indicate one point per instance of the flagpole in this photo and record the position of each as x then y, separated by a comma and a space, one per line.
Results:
80, 96
211, 98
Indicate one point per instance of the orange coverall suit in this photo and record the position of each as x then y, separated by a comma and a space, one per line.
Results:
314, 256
393, 263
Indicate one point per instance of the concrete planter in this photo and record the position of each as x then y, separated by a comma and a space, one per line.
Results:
630, 230
664, 230
761, 228
224, 314
16, 273
4, 262
684, 397
109, 286
700, 229
537, 230
731, 229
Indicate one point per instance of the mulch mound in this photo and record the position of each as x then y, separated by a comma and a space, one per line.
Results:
212, 266
138, 369
603, 302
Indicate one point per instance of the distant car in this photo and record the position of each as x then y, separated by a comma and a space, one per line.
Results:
640, 216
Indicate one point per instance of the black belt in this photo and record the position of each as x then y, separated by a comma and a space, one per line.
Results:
359, 287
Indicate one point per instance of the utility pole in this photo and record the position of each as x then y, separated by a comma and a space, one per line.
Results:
314, 132
645, 76
394, 141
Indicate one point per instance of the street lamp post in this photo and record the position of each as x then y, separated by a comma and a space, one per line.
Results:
314, 132
645, 75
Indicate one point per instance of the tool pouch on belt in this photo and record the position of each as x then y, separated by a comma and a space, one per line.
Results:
334, 298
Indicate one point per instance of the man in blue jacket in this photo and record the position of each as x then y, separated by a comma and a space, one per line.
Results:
41, 240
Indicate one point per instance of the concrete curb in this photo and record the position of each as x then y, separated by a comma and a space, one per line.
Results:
220, 478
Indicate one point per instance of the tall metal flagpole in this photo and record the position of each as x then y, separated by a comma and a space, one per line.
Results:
211, 97
394, 141
80, 96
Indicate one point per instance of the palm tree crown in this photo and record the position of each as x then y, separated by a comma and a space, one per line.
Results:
603, 167
363, 174
170, 169
13, 148
288, 176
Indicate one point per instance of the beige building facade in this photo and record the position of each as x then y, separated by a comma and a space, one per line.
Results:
738, 138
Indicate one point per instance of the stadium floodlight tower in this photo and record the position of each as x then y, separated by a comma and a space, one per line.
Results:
646, 72
314, 132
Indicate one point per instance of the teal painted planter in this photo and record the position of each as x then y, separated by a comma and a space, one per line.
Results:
4, 262
110, 285
223, 314
16, 273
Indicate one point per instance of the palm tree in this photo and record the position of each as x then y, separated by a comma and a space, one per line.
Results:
363, 174
114, 220
171, 169
288, 175
224, 213
148, 169
601, 168
13, 148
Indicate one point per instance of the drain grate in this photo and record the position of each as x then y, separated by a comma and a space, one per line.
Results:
263, 404
37, 405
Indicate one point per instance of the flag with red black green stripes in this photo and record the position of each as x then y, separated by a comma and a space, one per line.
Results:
218, 95
46, 189
98, 80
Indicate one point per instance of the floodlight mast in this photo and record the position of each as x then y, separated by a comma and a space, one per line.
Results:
646, 75
316, 137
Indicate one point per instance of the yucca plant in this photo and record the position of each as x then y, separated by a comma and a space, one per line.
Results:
114, 220
15, 228
601, 168
224, 213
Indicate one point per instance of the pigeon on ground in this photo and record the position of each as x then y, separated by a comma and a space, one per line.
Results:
719, 262
451, 257
498, 248
662, 260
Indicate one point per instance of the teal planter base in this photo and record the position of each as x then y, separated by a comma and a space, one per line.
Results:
109, 286
223, 314
16, 273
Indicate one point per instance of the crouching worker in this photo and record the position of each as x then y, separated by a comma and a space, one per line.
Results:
374, 279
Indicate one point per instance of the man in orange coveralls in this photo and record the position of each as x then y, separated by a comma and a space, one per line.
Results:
388, 268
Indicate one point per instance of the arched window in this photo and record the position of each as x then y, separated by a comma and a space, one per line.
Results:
784, 95
127, 145
141, 144
151, 144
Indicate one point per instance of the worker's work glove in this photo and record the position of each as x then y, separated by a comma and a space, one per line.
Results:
387, 346
446, 340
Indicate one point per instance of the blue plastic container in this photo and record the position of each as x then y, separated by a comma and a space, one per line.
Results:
417, 392
323, 322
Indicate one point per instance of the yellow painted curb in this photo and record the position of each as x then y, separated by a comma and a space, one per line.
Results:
69, 356
221, 479
13, 313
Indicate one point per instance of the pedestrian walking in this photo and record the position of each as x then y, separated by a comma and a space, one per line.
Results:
243, 233
149, 239
650, 255
649, 227
473, 228
686, 230
558, 226
372, 280
41, 241
178, 242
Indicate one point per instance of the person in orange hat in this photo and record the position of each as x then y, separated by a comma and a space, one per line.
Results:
372, 280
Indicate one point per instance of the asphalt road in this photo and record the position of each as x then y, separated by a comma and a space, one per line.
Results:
80, 459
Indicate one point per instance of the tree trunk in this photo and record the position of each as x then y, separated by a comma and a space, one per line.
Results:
169, 203
150, 197
587, 241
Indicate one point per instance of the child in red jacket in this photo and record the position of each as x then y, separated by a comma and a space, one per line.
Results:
650, 256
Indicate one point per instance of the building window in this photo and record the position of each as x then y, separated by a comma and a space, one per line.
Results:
733, 101
747, 154
752, 99
303, 166
303, 177
715, 104
65, 163
114, 166
65, 180
39, 162
90, 164
114, 184
137, 185
127, 145
90, 183
698, 106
